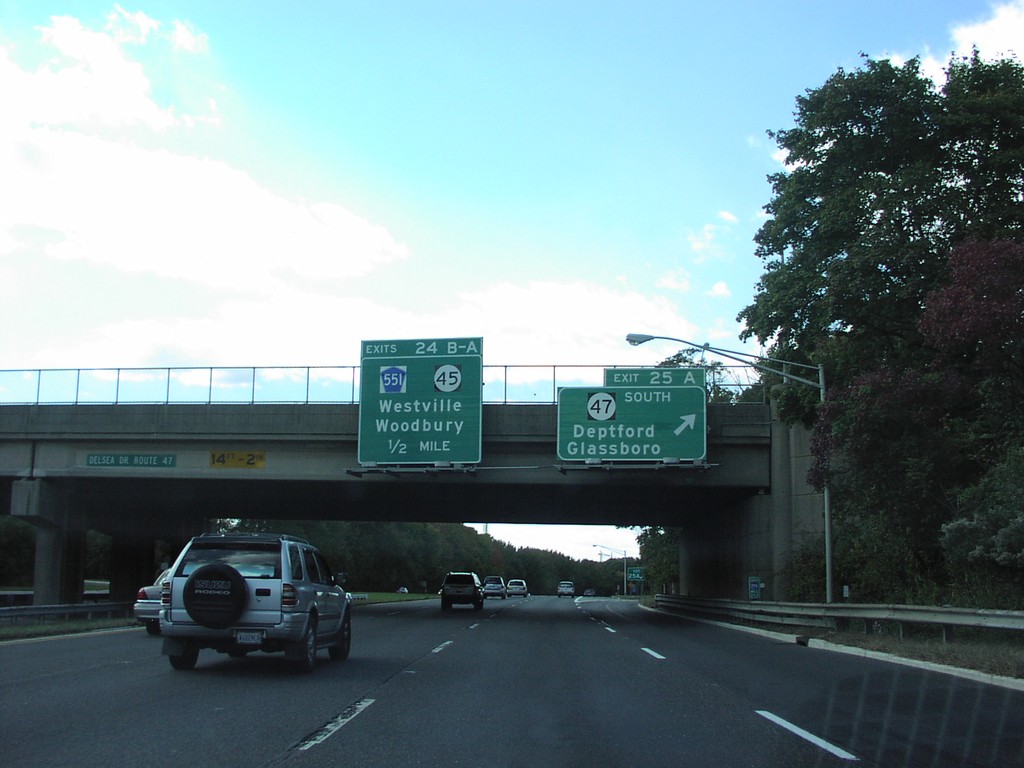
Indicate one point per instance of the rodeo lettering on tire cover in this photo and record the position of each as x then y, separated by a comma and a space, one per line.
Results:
215, 595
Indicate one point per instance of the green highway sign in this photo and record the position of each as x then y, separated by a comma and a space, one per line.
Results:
132, 460
655, 377
652, 424
635, 573
421, 401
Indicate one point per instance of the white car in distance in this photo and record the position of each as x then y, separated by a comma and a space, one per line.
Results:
517, 588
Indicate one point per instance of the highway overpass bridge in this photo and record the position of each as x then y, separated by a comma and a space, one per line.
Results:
142, 473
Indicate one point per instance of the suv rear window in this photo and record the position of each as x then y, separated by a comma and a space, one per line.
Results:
258, 560
458, 578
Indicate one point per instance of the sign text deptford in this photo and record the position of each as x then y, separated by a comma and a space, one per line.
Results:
652, 424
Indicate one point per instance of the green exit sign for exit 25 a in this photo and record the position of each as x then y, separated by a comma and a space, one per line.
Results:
651, 424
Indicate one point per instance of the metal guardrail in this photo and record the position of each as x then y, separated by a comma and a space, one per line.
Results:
836, 615
78, 610
502, 384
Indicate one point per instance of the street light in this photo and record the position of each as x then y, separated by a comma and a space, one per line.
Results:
635, 339
618, 552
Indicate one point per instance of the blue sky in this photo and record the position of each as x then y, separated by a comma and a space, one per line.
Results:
250, 183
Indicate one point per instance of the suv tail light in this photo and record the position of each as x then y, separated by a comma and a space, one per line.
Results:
165, 593
289, 596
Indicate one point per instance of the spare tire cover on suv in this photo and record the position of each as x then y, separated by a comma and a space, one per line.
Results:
215, 595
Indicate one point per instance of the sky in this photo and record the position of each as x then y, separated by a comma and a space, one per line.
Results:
266, 184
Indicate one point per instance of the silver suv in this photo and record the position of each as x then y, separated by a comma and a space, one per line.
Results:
238, 593
462, 587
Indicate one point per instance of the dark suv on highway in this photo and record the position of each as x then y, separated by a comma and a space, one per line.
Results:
462, 587
237, 593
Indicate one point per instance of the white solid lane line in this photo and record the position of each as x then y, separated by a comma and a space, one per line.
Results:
832, 748
336, 724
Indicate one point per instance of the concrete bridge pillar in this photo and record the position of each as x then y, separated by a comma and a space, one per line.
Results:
131, 565
757, 536
60, 542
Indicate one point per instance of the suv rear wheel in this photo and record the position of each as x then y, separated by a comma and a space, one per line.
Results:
340, 651
186, 659
307, 646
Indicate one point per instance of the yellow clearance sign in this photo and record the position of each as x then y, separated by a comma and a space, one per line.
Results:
238, 459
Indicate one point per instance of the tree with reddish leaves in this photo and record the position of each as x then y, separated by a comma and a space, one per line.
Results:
976, 322
892, 257
976, 326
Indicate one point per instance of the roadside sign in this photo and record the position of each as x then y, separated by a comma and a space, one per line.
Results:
635, 573
655, 377
133, 460
421, 401
632, 423
238, 459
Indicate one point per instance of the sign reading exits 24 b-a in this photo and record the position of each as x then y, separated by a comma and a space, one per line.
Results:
421, 401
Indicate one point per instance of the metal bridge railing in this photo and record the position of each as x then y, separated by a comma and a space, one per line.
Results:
503, 384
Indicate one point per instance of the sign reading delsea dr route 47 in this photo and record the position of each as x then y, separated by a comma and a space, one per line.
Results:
632, 423
421, 401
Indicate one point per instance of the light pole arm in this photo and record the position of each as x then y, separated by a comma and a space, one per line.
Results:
635, 339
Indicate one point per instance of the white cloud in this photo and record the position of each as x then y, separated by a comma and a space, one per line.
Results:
127, 27
555, 322
185, 37
728, 217
179, 217
175, 259
719, 290
92, 82
996, 37
116, 204
677, 280
701, 242
705, 244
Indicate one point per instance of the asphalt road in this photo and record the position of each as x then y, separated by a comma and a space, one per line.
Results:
533, 682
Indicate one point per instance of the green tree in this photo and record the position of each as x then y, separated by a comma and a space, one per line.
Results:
659, 552
887, 175
722, 383
985, 542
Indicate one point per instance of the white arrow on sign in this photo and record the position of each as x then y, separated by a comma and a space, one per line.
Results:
689, 421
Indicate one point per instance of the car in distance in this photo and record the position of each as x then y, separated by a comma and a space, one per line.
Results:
517, 588
147, 604
239, 593
494, 586
462, 588
566, 588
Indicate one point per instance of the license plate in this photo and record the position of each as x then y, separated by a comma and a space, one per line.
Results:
251, 637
